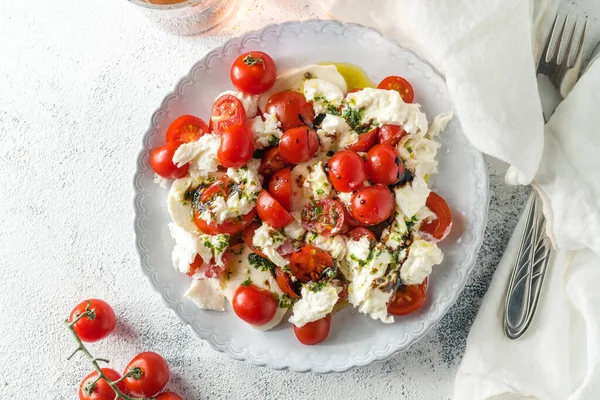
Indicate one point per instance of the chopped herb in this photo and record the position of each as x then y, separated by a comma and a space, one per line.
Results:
330, 272
409, 149
239, 218
320, 192
319, 98
185, 203
244, 168
316, 286
411, 222
258, 153
353, 116
251, 60
331, 109
284, 301
273, 141
260, 263
247, 282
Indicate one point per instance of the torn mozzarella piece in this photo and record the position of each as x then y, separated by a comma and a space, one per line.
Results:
201, 155
334, 245
393, 236
439, 124
204, 293
419, 154
411, 197
265, 133
160, 181
332, 130
268, 240
303, 192
295, 230
422, 256
190, 244
317, 183
316, 301
249, 101
179, 206
326, 96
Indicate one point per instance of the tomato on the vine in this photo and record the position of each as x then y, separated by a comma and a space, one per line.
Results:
291, 109
325, 217
314, 332
99, 325
400, 85
161, 160
372, 204
365, 141
254, 305
270, 211
101, 390
347, 171
186, 129
227, 111
150, 374
308, 263
440, 227
254, 72
236, 147
298, 145
280, 188
408, 299
384, 165
390, 134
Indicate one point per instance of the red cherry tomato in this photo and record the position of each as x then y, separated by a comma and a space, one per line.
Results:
308, 263
230, 226
284, 280
347, 171
254, 305
186, 129
372, 204
400, 85
236, 147
359, 232
100, 326
161, 160
354, 90
326, 217
254, 72
287, 106
102, 390
350, 221
168, 396
438, 228
384, 165
279, 187
271, 212
408, 299
227, 110
248, 236
219, 188
271, 162
153, 374
365, 141
298, 145
314, 332
209, 270
390, 134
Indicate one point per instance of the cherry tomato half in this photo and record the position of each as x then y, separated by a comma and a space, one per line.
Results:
400, 85
359, 232
153, 374
248, 236
390, 134
254, 305
186, 129
347, 171
219, 188
279, 187
314, 332
284, 280
372, 204
438, 228
209, 270
326, 217
384, 165
271, 162
100, 326
168, 396
161, 160
298, 145
407, 299
254, 72
102, 390
365, 141
227, 110
236, 147
230, 226
287, 106
308, 263
271, 212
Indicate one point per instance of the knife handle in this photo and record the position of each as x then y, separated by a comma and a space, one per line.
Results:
528, 272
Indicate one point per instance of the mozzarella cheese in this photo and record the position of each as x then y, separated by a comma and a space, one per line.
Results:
380, 107
439, 124
393, 236
190, 244
422, 256
301, 191
265, 133
332, 130
315, 303
249, 101
334, 245
317, 183
295, 230
160, 181
204, 293
345, 198
268, 239
411, 197
201, 155
326, 96
367, 267
179, 207
418, 154
239, 270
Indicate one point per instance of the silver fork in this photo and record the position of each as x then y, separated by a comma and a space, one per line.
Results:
530, 267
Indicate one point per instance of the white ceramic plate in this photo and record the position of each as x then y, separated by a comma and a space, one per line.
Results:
355, 340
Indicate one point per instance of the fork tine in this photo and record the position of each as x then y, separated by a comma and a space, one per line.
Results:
559, 43
579, 46
544, 54
566, 57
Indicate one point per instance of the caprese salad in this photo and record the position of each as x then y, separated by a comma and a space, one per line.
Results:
305, 192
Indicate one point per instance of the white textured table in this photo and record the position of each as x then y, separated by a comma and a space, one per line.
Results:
78, 83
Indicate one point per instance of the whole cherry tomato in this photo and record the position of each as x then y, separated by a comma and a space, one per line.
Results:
101, 390
254, 305
314, 332
186, 129
236, 147
96, 326
254, 72
168, 396
152, 374
400, 85
347, 171
298, 145
161, 160
291, 109
384, 165
372, 204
